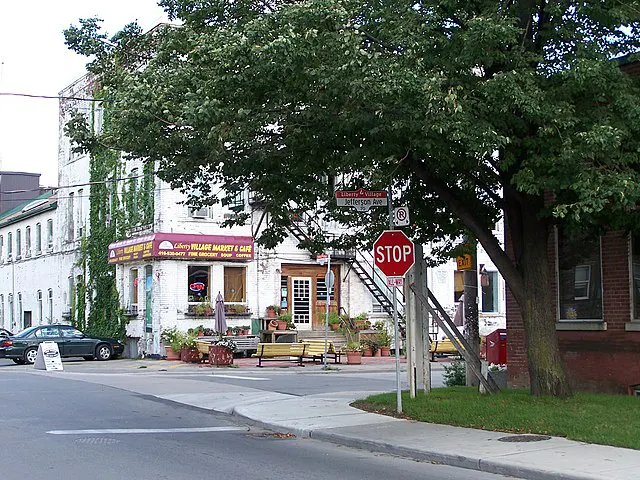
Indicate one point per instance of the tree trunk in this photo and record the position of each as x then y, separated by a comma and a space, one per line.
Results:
531, 237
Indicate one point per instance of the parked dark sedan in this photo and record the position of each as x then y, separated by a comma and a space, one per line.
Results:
23, 347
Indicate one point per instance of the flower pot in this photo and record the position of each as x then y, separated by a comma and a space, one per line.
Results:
171, 355
282, 324
385, 351
220, 355
354, 358
273, 324
190, 355
378, 353
334, 326
229, 333
367, 352
271, 314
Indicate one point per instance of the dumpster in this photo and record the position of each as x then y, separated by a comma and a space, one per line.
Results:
496, 346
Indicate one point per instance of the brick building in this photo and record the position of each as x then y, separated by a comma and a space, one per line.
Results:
597, 307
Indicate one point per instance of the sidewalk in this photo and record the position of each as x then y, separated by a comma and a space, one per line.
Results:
329, 417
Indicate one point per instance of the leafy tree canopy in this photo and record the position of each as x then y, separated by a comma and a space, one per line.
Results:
469, 108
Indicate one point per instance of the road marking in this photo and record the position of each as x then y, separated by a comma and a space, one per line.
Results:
148, 430
239, 377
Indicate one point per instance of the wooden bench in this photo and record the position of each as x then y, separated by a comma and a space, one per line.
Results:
244, 343
315, 351
278, 352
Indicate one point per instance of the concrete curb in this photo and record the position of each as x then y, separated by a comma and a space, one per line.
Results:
459, 461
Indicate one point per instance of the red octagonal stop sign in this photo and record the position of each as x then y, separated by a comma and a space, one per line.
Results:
393, 253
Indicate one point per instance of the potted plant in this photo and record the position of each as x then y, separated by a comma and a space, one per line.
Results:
353, 351
245, 330
334, 321
221, 351
383, 338
273, 311
189, 349
170, 337
361, 322
283, 321
203, 309
369, 347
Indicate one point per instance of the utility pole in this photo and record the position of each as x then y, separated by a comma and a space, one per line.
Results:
471, 311
418, 367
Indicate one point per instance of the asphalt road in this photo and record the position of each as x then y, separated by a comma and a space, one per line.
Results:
54, 428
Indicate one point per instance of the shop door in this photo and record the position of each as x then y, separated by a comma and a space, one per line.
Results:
301, 302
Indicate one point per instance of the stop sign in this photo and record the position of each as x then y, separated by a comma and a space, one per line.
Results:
393, 253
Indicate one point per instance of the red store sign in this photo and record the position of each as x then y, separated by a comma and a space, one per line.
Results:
182, 246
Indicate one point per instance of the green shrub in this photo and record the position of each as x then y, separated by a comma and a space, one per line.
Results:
455, 374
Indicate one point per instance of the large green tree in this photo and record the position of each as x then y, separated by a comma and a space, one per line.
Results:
471, 109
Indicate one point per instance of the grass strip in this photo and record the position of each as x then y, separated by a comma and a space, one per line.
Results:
594, 418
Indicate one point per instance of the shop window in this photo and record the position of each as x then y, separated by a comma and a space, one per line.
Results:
2, 310
490, 290
133, 287
235, 284
579, 278
284, 292
198, 285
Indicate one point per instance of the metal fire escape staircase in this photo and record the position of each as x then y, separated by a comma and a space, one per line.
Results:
361, 263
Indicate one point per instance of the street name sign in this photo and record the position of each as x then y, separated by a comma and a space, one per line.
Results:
361, 199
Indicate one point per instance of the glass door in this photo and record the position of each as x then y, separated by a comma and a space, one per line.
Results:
301, 302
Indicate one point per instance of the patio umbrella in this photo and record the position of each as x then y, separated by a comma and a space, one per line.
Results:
221, 321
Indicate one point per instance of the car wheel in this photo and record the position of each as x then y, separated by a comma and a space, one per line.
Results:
19, 361
103, 352
88, 357
30, 356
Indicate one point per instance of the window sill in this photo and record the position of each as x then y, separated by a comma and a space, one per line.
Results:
585, 325
632, 326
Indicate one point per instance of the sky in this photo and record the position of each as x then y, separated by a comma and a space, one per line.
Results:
34, 60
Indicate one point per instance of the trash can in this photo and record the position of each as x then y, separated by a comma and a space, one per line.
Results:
496, 345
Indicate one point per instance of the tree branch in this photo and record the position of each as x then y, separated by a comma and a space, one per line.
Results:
489, 242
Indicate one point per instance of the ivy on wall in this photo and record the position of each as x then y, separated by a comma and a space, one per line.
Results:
110, 219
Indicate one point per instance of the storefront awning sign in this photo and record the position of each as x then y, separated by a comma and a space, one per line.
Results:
182, 246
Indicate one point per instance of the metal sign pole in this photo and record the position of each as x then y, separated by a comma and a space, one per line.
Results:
395, 317
329, 284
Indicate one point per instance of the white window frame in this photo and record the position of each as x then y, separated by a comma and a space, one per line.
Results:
582, 283
27, 241
18, 244
38, 247
50, 234
39, 299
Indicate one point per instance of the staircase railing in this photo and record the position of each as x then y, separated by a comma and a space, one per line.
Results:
362, 264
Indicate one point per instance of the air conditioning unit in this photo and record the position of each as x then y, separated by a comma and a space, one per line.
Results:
199, 212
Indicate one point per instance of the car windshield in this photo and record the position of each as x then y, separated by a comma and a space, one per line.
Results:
26, 332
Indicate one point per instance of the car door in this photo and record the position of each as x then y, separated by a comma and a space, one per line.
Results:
48, 334
75, 343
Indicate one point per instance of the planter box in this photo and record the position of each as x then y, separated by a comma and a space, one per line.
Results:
220, 355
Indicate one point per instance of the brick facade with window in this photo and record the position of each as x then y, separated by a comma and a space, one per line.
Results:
606, 359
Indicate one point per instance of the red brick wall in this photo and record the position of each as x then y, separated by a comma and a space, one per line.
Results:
607, 361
